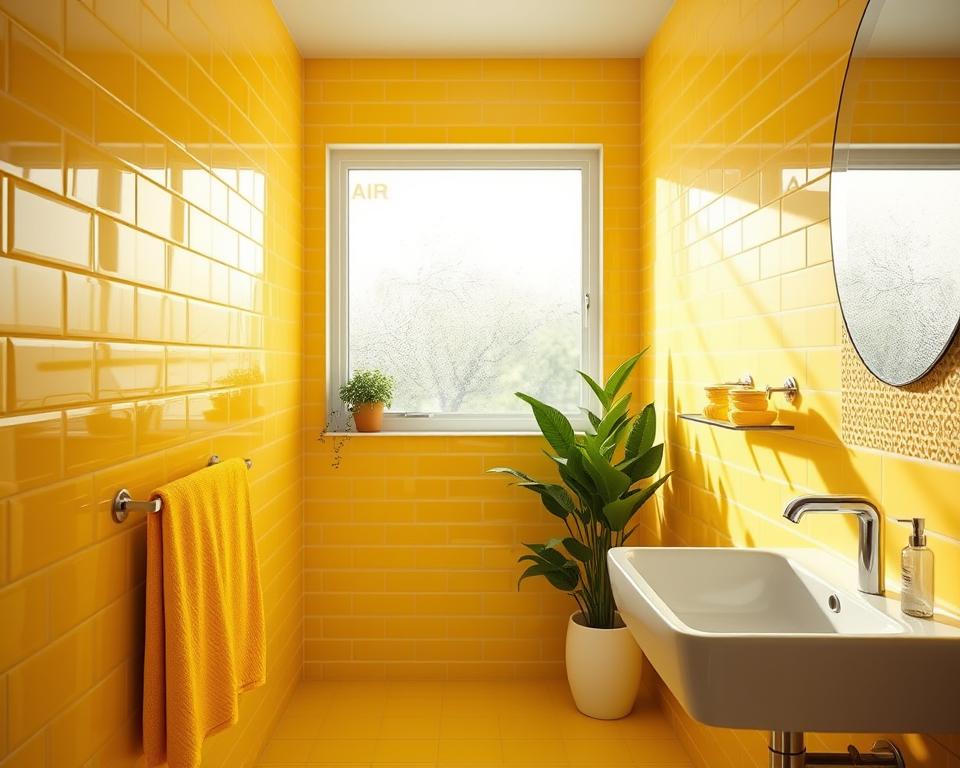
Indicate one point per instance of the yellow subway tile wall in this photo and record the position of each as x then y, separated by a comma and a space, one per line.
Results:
410, 548
150, 283
739, 107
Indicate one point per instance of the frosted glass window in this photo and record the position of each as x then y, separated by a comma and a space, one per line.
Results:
468, 284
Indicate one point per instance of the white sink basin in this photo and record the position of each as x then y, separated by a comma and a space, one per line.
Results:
749, 638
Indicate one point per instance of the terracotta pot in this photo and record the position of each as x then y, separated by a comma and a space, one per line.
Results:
368, 417
603, 669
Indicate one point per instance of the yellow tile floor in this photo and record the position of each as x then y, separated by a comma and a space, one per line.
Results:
421, 725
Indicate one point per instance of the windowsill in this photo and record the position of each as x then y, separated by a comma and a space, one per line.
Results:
431, 434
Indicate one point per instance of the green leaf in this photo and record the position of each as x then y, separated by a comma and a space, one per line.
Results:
554, 508
619, 376
514, 472
534, 570
559, 570
645, 465
609, 446
619, 512
564, 579
642, 433
591, 417
554, 497
610, 481
559, 494
578, 549
575, 475
558, 459
547, 550
554, 425
602, 396
615, 414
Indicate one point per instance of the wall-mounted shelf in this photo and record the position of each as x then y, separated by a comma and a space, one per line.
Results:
727, 425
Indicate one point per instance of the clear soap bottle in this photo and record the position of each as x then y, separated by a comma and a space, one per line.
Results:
916, 563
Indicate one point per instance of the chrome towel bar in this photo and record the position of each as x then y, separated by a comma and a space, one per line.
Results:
124, 503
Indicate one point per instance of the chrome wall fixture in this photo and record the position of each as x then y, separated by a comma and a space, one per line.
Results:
124, 503
744, 381
790, 389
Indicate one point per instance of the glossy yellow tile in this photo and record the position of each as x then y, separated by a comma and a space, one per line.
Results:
129, 254
161, 317
31, 297
99, 307
113, 129
28, 755
40, 80
201, 231
30, 448
225, 244
30, 146
39, 687
99, 181
98, 437
82, 585
160, 212
44, 374
123, 133
187, 368
48, 229
210, 324
190, 273
161, 423
92, 46
26, 608
46, 22
127, 371
162, 53
49, 524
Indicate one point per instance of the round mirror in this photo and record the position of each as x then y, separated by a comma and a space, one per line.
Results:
895, 187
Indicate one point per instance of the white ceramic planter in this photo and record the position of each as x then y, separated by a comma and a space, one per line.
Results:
603, 669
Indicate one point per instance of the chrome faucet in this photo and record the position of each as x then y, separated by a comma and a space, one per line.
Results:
870, 558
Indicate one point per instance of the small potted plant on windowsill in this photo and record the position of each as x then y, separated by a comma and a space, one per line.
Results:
596, 500
366, 393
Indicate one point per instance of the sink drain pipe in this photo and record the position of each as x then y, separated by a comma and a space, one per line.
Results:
787, 750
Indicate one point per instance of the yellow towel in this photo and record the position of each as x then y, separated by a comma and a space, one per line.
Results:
205, 639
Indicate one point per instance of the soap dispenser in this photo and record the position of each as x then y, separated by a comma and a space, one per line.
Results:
916, 562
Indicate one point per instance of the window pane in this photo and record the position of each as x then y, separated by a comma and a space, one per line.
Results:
465, 285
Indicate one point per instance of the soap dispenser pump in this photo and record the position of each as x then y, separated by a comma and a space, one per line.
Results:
916, 562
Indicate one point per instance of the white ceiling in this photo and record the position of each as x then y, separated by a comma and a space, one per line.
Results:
472, 28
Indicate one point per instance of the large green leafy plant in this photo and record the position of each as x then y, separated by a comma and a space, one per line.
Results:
598, 496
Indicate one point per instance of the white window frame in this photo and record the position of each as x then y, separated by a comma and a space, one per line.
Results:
342, 158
